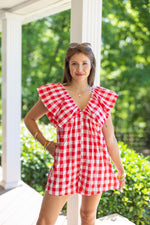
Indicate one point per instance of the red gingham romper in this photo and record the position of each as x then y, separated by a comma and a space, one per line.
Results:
82, 163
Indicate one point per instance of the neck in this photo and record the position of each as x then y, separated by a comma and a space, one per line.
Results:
79, 86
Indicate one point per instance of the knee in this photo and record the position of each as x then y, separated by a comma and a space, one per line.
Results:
88, 217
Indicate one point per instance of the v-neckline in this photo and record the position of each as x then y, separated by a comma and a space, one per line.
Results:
73, 99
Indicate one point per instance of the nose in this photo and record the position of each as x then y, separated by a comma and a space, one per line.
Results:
79, 68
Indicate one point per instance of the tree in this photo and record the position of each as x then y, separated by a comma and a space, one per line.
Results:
126, 62
0, 80
44, 45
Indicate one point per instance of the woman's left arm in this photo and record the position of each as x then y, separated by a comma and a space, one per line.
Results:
112, 146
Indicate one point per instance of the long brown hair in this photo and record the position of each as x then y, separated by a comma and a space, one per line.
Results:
84, 48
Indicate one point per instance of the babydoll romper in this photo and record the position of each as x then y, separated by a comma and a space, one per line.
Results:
81, 163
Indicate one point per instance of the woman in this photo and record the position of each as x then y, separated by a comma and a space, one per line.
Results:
85, 138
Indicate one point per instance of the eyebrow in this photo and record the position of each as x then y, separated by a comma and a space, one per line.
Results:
77, 62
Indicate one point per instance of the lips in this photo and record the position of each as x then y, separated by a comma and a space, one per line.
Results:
79, 74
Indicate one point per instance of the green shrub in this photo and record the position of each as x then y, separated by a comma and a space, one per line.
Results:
0, 142
35, 162
133, 202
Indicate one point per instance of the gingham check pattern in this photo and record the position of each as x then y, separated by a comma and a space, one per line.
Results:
82, 163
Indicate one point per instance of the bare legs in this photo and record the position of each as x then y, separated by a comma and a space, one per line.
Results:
89, 208
52, 205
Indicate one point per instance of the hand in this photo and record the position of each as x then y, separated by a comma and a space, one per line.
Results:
121, 179
51, 147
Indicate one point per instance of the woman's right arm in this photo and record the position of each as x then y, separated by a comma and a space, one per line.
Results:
36, 112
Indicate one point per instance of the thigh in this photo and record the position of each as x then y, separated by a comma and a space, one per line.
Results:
51, 206
90, 203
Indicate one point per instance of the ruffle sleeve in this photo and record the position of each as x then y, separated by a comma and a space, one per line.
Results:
52, 98
106, 100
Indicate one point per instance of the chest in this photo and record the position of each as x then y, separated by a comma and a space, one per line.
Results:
81, 100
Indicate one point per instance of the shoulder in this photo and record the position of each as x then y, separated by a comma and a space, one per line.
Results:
105, 97
51, 88
51, 95
48, 86
104, 92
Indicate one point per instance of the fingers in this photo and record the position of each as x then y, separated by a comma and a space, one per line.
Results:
51, 148
121, 178
57, 144
121, 184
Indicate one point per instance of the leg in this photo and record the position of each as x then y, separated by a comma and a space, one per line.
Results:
88, 209
51, 206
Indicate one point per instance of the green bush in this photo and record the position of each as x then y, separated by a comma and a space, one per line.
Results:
133, 202
35, 162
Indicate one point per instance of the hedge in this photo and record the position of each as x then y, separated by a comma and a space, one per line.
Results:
35, 162
134, 201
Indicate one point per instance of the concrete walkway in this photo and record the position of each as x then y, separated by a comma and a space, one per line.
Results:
21, 206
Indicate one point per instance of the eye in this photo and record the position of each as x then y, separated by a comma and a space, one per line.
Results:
74, 64
85, 63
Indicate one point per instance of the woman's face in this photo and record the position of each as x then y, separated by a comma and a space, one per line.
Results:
80, 66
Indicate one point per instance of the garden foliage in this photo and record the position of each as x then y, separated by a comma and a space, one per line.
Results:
133, 202
35, 162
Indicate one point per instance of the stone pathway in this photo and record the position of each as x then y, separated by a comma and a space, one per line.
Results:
21, 205
113, 219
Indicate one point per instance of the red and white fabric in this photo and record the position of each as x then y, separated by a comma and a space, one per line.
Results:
81, 163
